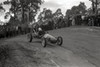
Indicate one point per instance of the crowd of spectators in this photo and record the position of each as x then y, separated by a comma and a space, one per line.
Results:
10, 31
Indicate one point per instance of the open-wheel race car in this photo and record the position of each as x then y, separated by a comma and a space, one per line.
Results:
45, 37
49, 39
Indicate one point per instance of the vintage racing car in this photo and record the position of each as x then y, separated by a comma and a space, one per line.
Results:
49, 39
45, 37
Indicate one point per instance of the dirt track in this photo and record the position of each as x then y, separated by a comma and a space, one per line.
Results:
81, 48
15, 53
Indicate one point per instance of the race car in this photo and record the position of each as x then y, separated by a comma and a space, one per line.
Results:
47, 38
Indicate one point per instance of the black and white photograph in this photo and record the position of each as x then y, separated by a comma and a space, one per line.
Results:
49, 33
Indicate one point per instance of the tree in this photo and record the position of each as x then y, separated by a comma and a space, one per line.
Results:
58, 17
46, 14
82, 7
75, 10
95, 3
68, 12
45, 19
6, 2
41, 16
58, 13
89, 11
30, 6
1, 7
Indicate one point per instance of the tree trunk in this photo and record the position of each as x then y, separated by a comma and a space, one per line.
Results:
22, 14
93, 8
96, 7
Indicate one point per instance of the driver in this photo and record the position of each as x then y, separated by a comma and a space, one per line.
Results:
41, 32
45, 35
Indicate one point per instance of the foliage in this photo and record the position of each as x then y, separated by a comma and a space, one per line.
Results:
45, 15
68, 12
23, 6
58, 13
89, 11
45, 19
95, 4
58, 18
48, 14
6, 2
80, 9
1, 7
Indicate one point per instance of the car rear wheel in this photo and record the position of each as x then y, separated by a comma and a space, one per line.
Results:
59, 40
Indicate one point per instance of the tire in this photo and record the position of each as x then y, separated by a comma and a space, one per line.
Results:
59, 40
29, 37
44, 42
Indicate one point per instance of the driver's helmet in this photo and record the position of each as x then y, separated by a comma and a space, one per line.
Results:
39, 29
